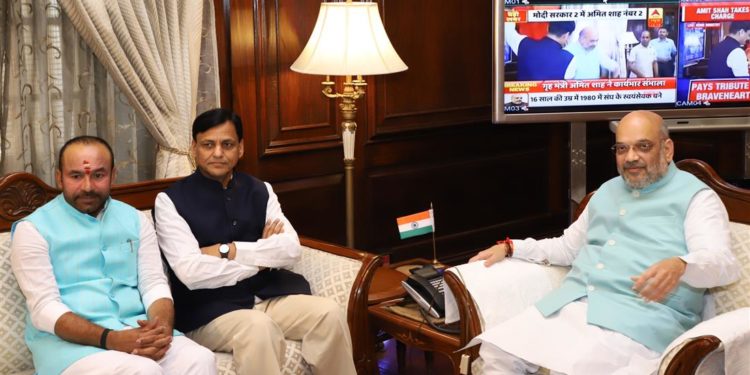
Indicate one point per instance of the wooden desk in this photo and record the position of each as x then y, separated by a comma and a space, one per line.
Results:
408, 331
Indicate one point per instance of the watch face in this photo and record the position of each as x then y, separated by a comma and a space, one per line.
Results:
224, 250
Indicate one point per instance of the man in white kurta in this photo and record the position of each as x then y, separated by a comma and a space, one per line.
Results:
642, 59
620, 305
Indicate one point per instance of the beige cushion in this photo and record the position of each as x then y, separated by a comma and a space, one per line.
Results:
329, 275
736, 295
294, 364
14, 355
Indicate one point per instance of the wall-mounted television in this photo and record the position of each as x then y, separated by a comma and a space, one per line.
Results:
585, 60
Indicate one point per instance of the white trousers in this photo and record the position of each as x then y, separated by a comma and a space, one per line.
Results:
184, 357
564, 343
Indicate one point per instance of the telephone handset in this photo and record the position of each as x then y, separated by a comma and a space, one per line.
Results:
425, 286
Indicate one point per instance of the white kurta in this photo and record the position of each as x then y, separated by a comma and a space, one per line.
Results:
565, 342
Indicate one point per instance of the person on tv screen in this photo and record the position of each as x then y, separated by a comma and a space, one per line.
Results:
518, 102
543, 59
590, 60
665, 53
643, 251
728, 59
642, 58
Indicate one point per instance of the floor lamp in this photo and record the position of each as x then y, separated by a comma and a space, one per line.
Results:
348, 40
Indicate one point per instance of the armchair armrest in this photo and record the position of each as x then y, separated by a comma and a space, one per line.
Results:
480, 297
344, 275
729, 332
502, 290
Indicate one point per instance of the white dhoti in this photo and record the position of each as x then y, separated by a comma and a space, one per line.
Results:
564, 343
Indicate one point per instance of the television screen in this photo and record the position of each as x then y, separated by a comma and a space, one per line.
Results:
693, 42
597, 60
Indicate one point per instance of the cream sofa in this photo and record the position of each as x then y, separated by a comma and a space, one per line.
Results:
699, 351
339, 273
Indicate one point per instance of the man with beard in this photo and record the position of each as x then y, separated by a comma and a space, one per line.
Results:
643, 252
89, 266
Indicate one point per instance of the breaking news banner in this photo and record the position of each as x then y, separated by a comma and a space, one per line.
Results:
712, 12
592, 92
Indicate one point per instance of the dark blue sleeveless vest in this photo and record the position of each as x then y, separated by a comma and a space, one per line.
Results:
218, 215
717, 63
543, 59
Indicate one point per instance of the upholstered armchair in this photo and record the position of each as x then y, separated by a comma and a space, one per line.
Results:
701, 350
336, 272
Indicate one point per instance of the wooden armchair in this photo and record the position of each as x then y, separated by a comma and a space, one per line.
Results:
684, 358
335, 272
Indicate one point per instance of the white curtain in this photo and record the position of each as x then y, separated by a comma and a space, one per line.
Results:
54, 89
152, 50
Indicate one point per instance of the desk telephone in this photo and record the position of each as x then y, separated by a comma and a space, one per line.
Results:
425, 286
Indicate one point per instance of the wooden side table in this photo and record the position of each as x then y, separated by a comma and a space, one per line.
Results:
386, 286
406, 330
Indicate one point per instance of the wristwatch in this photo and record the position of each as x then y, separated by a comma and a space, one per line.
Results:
224, 250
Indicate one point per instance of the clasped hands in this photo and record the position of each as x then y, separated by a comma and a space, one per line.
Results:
654, 284
272, 227
151, 339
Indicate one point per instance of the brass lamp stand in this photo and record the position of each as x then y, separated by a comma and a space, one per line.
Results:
353, 90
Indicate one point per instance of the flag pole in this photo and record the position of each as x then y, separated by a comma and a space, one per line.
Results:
434, 227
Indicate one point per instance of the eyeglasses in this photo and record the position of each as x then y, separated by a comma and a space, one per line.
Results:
641, 147
226, 145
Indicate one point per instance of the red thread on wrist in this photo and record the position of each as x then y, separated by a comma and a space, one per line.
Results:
509, 243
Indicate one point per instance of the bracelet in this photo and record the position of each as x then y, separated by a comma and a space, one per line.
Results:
509, 243
103, 338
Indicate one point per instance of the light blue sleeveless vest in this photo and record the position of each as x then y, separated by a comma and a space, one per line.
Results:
95, 263
629, 230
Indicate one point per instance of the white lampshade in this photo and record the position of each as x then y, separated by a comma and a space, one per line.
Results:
348, 39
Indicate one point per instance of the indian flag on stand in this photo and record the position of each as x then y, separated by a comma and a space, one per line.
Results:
416, 224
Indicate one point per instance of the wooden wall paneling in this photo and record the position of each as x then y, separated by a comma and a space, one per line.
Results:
446, 45
558, 159
242, 46
295, 114
473, 200
314, 206
484, 180
600, 162
222, 13
723, 150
